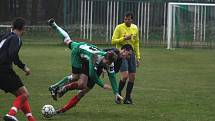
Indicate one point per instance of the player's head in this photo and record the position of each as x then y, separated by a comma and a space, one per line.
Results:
126, 51
19, 25
110, 57
128, 18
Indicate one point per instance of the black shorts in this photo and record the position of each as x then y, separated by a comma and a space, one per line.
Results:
10, 81
90, 83
85, 70
76, 70
85, 67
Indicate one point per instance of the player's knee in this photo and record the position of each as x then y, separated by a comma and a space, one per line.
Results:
82, 86
132, 78
124, 78
26, 94
22, 91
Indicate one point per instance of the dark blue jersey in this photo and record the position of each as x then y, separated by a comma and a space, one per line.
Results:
10, 44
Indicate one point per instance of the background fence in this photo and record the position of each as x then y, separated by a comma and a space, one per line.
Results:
94, 20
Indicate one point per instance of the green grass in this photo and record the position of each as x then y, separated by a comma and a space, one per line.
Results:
170, 86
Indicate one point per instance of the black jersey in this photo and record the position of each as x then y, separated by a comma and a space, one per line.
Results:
10, 44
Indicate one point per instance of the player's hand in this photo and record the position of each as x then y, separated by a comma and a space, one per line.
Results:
27, 70
138, 63
106, 86
127, 37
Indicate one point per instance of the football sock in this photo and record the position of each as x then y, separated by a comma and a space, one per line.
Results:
63, 34
30, 118
27, 111
17, 104
121, 86
129, 89
63, 82
70, 104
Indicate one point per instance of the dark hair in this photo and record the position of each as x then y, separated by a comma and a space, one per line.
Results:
111, 56
127, 47
18, 23
129, 13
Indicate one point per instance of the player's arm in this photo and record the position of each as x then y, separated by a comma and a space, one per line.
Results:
137, 47
99, 81
116, 36
13, 52
112, 78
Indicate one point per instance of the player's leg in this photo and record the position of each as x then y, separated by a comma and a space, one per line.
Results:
10, 82
80, 84
25, 108
129, 88
132, 75
54, 88
76, 70
73, 101
64, 81
21, 102
123, 77
63, 34
27, 111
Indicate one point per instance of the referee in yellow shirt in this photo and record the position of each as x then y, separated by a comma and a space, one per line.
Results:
126, 36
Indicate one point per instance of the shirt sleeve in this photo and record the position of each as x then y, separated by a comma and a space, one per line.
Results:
13, 52
99, 82
116, 36
137, 47
19, 63
112, 78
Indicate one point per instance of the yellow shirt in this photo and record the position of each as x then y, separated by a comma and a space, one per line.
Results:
118, 37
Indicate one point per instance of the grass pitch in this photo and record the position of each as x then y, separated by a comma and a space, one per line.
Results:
170, 86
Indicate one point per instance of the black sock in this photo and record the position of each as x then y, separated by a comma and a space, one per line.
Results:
129, 89
121, 86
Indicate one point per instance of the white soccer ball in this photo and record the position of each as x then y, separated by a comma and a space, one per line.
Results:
48, 111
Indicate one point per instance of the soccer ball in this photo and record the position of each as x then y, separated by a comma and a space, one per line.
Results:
48, 111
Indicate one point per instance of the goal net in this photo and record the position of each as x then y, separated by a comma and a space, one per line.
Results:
190, 25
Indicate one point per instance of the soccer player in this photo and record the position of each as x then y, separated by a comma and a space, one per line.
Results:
83, 57
10, 44
124, 53
126, 34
